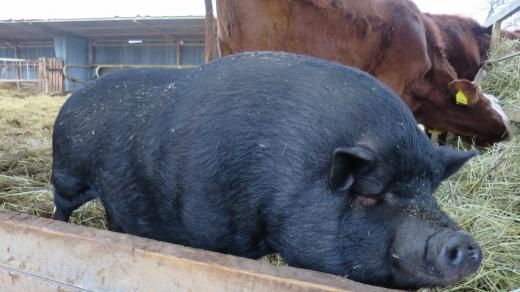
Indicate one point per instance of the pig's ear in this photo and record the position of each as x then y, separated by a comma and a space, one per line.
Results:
453, 160
346, 162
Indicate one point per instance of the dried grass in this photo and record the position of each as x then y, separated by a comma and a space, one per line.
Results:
26, 122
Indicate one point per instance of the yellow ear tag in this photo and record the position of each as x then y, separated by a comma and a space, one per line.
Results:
461, 98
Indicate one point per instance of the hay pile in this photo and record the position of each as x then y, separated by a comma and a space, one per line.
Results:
26, 122
484, 197
503, 78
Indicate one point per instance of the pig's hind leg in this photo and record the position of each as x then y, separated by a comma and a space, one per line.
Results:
69, 194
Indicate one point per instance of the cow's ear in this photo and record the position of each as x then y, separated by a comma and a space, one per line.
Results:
346, 162
453, 160
464, 92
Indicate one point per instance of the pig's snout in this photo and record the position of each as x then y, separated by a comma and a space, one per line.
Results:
457, 254
427, 256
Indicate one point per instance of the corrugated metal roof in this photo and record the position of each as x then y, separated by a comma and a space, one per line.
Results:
103, 29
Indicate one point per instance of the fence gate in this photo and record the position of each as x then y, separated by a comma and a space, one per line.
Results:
50, 75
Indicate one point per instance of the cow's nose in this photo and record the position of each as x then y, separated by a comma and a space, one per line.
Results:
460, 255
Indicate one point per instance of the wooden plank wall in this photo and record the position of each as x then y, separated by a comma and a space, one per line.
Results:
50, 76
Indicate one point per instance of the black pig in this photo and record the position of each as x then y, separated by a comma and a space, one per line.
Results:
266, 152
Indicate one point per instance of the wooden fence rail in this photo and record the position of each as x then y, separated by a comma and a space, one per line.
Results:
497, 19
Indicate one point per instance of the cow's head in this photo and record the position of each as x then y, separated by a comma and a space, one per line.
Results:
467, 112
455, 105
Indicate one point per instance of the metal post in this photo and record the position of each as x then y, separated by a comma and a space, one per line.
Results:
177, 53
210, 32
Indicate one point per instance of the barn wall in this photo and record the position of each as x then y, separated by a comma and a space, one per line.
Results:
73, 51
37, 52
33, 54
6, 52
148, 54
137, 54
30, 53
192, 55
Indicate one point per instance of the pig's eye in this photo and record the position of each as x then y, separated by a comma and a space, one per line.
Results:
367, 201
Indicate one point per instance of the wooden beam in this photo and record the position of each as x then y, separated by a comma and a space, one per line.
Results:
38, 28
38, 252
17, 55
97, 26
509, 10
495, 34
90, 53
210, 31
178, 53
145, 35
48, 44
8, 43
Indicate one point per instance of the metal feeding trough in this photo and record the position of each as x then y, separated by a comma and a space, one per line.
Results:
38, 254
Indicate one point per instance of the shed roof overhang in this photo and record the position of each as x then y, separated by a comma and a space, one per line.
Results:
171, 29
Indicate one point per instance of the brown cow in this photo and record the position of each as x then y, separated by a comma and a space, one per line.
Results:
466, 42
391, 39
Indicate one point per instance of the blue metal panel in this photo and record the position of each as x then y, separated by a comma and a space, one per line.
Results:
30, 53
107, 55
73, 51
6, 53
192, 55
137, 54
163, 55
35, 53
154, 55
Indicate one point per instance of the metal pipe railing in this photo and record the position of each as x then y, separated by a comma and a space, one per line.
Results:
98, 68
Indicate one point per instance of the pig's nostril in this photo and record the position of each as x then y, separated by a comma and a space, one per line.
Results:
474, 254
460, 255
456, 256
